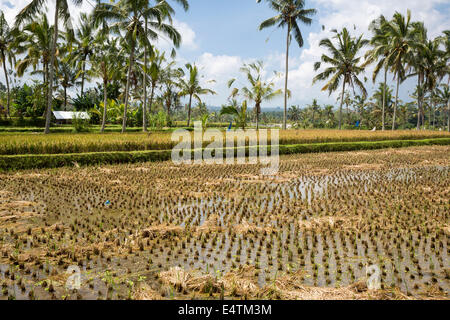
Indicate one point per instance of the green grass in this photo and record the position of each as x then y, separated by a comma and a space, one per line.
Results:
56, 143
34, 161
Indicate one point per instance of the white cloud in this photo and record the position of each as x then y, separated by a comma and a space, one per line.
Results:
188, 36
356, 15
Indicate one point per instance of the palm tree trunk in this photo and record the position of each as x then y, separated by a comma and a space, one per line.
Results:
65, 98
7, 85
144, 115
83, 69
257, 116
433, 109
189, 110
396, 101
48, 116
448, 115
419, 101
384, 100
105, 102
151, 96
340, 107
286, 78
127, 89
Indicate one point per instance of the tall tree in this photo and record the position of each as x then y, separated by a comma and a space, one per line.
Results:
239, 113
154, 72
107, 65
6, 52
378, 54
85, 37
140, 24
443, 98
191, 88
61, 12
259, 89
67, 76
345, 64
290, 14
401, 42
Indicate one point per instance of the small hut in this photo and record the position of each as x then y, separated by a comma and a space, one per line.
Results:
66, 117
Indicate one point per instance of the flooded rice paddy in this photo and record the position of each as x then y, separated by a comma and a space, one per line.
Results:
156, 230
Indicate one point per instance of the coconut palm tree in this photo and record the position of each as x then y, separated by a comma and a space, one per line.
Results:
185, 5
239, 113
61, 12
378, 54
434, 69
443, 98
259, 90
416, 62
67, 76
154, 72
85, 37
345, 64
34, 44
290, 14
294, 113
6, 53
401, 36
140, 23
170, 79
191, 88
107, 64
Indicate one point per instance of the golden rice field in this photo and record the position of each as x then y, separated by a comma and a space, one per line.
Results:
223, 231
26, 143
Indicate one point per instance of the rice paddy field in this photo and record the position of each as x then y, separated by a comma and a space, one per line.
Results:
37, 143
165, 231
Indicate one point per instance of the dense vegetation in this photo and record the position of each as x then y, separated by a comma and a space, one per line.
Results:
138, 85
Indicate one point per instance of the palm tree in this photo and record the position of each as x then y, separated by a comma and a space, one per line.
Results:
383, 99
290, 14
61, 11
345, 64
84, 39
260, 90
434, 68
416, 61
443, 98
185, 5
401, 42
294, 113
154, 72
6, 52
34, 43
170, 79
67, 76
379, 53
315, 109
239, 113
141, 23
107, 65
192, 88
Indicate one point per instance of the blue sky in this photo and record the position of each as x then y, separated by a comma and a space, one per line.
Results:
221, 35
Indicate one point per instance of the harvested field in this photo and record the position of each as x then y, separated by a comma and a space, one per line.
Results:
159, 231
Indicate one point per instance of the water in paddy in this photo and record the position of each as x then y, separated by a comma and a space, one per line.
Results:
329, 256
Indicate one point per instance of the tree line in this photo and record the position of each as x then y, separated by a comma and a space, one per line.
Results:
117, 44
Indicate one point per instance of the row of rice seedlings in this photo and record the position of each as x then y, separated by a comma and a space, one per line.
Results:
327, 215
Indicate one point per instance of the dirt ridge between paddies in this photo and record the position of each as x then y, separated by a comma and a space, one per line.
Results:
38, 161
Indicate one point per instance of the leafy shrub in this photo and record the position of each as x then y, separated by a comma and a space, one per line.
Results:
80, 125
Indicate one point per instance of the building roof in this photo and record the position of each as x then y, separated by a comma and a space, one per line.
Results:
69, 115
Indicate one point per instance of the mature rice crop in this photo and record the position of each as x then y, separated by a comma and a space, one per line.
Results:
157, 230
90, 142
